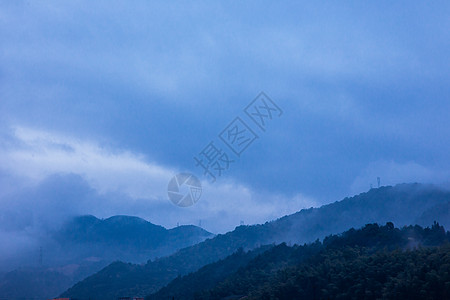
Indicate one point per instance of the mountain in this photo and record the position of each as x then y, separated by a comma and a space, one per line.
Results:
374, 262
86, 244
403, 204
124, 238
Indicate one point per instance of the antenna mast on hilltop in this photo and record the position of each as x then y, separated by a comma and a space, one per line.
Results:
378, 180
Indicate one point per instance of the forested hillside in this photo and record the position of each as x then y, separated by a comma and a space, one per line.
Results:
375, 262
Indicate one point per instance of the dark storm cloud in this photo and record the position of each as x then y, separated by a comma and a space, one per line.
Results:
364, 88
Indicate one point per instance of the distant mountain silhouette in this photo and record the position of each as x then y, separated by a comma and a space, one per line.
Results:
403, 204
125, 238
86, 244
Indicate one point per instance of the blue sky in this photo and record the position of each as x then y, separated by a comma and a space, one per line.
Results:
102, 103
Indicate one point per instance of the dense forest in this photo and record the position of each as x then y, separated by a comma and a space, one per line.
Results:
369, 263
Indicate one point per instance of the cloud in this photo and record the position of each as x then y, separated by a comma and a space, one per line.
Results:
38, 154
157, 81
49, 177
66, 176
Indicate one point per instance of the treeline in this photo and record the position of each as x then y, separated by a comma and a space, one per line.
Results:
353, 273
369, 263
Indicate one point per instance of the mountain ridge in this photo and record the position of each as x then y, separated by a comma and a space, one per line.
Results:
273, 272
402, 204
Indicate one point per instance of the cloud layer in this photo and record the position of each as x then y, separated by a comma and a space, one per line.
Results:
102, 103
63, 176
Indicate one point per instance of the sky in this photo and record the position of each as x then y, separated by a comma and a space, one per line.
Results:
102, 103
